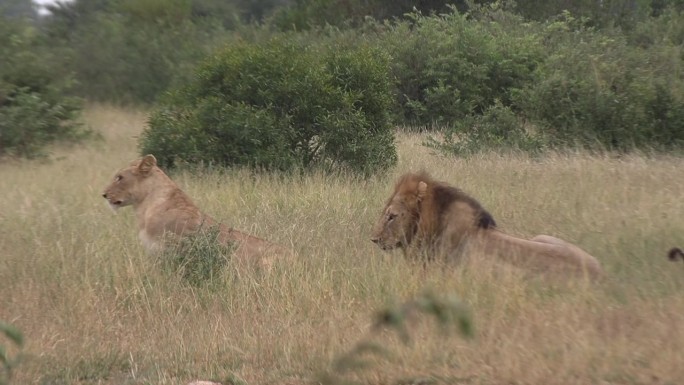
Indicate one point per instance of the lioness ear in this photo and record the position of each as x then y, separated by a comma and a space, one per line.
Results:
147, 163
422, 189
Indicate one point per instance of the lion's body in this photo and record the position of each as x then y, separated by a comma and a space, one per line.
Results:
427, 217
163, 210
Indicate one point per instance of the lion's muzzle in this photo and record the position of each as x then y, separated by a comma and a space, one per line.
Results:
378, 242
384, 245
115, 204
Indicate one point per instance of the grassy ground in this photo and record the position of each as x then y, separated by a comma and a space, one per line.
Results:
95, 309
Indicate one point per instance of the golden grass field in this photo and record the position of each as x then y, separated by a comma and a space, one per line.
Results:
95, 309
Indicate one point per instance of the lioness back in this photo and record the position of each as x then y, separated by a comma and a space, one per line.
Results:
164, 211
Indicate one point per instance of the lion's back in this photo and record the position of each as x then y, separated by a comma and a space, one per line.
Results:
450, 215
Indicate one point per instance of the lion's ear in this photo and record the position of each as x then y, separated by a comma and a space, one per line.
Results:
147, 163
422, 189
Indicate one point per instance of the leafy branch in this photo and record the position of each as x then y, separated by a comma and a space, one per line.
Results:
7, 363
448, 311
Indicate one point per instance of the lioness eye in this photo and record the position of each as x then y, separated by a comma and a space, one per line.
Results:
390, 217
118, 178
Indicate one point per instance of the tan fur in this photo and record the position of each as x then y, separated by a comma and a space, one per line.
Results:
163, 209
431, 218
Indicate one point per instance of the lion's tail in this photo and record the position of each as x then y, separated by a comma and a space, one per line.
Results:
675, 253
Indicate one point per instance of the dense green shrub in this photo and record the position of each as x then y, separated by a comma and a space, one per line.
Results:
129, 51
498, 128
198, 259
450, 66
33, 109
596, 90
301, 15
602, 13
280, 105
599, 89
665, 29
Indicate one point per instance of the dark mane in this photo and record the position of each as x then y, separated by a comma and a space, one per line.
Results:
444, 195
438, 200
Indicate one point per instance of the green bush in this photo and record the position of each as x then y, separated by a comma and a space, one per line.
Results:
602, 13
595, 90
129, 51
581, 87
280, 105
450, 66
667, 28
34, 110
304, 14
498, 128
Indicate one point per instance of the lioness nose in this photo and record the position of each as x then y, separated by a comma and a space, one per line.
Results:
104, 195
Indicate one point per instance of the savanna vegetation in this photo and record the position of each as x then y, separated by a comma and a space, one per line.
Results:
94, 308
290, 119
597, 75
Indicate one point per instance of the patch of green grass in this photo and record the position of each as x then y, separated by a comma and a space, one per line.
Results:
199, 259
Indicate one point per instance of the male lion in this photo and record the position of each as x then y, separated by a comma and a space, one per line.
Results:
163, 209
426, 216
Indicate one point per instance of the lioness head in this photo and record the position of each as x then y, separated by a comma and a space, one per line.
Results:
126, 187
399, 220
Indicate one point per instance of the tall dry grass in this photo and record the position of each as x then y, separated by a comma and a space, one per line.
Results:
95, 309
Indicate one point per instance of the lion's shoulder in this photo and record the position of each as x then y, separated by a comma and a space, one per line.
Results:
446, 197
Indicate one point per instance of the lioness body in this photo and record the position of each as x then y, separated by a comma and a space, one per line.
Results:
435, 219
162, 209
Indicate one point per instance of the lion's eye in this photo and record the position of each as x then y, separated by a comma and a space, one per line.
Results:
390, 217
118, 178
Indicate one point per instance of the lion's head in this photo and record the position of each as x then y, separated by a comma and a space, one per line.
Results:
416, 211
399, 220
128, 185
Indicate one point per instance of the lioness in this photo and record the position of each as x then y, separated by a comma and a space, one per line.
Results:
163, 209
426, 216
